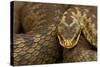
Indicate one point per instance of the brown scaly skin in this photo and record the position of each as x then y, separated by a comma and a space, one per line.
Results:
38, 15
39, 43
36, 49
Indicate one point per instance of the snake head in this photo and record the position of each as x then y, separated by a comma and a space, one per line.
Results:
68, 31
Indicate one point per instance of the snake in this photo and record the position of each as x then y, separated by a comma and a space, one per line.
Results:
46, 33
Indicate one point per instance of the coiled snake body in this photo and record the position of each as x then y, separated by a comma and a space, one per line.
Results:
48, 27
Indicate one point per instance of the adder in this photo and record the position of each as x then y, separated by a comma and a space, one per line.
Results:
53, 33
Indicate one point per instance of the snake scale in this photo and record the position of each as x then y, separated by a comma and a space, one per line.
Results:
53, 33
